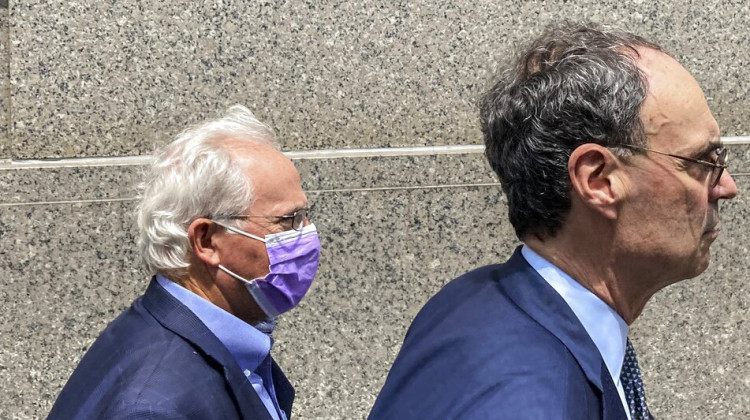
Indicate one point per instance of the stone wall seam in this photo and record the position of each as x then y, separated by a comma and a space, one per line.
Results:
341, 153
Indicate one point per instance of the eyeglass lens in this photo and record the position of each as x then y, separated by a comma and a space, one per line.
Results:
719, 170
300, 216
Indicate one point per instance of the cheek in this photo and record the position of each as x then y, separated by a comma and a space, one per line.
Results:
661, 218
680, 204
697, 211
248, 259
256, 261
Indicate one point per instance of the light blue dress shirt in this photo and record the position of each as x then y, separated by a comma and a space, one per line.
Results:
607, 329
249, 347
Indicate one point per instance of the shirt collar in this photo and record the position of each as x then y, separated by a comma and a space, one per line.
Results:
607, 329
247, 345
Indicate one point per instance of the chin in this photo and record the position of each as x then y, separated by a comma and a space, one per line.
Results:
700, 262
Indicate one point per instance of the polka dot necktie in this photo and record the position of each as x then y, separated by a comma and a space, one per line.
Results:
630, 377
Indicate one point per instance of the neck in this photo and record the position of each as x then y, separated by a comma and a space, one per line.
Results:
596, 265
196, 286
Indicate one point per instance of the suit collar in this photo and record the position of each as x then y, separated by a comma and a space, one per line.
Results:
604, 325
542, 303
247, 345
177, 318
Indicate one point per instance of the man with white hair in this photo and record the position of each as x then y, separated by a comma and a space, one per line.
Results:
224, 226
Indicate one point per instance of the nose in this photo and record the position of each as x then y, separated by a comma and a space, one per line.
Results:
726, 189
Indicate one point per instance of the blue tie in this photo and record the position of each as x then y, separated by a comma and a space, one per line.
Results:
635, 395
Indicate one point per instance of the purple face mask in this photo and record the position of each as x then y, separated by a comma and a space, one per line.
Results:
293, 257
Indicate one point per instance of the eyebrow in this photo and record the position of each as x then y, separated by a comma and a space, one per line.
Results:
296, 209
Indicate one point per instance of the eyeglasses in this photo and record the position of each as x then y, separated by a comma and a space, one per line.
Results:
717, 167
294, 220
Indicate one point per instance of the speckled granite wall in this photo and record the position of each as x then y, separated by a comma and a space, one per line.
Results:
88, 79
390, 241
112, 78
4, 82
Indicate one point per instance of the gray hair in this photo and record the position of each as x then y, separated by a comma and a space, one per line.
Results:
197, 175
575, 84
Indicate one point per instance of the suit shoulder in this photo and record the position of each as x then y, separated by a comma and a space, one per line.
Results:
518, 379
472, 351
475, 314
474, 298
476, 285
136, 363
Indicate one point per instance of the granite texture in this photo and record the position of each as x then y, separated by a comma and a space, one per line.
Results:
4, 84
44, 185
116, 78
393, 232
739, 160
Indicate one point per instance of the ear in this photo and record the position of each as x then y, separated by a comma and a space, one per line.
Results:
592, 169
200, 237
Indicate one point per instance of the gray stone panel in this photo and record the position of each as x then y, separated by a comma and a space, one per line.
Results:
69, 268
44, 185
5, 141
115, 78
739, 160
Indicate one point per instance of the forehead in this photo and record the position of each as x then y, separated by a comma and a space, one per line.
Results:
675, 113
276, 183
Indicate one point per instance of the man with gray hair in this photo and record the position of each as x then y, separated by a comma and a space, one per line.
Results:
613, 169
224, 226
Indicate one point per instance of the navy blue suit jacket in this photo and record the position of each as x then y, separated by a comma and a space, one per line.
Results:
157, 360
498, 343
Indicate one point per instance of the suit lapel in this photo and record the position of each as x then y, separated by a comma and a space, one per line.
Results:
283, 388
612, 405
542, 303
177, 318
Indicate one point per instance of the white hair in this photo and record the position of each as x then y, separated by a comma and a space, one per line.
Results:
197, 175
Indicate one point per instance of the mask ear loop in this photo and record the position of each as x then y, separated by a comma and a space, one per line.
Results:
240, 232
255, 292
